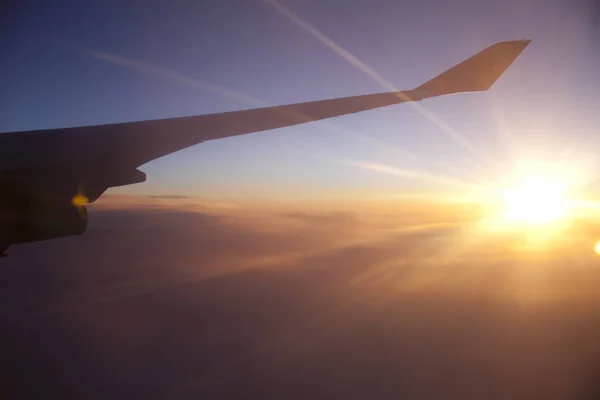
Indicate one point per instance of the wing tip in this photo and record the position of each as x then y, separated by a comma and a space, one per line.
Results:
477, 73
517, 45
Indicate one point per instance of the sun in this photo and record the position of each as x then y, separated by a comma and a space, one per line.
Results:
536, 204
536, 201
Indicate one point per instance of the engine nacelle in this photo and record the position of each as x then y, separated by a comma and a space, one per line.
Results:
27, 223
42, 204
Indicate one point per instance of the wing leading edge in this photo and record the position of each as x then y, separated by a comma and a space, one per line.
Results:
132, 144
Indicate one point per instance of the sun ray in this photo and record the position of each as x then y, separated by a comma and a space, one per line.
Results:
361, 66
410, 173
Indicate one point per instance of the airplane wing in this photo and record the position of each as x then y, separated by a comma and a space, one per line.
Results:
46, 168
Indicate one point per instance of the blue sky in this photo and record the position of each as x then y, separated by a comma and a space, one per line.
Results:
194, 55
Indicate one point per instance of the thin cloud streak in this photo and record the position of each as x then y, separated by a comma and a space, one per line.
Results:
170, 75
411, 174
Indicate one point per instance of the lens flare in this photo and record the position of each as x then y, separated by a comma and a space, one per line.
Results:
79, 200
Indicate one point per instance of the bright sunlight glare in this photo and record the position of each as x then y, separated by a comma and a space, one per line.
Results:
536, 205
536, 201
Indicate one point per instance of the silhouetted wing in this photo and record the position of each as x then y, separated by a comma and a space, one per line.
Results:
47, 175
135, 143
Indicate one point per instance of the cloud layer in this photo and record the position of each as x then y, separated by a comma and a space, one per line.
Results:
208, 301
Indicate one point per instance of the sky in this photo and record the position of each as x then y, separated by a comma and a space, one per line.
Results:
178, 290
70, 64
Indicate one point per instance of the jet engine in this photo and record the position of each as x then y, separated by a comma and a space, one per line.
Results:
31, 223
